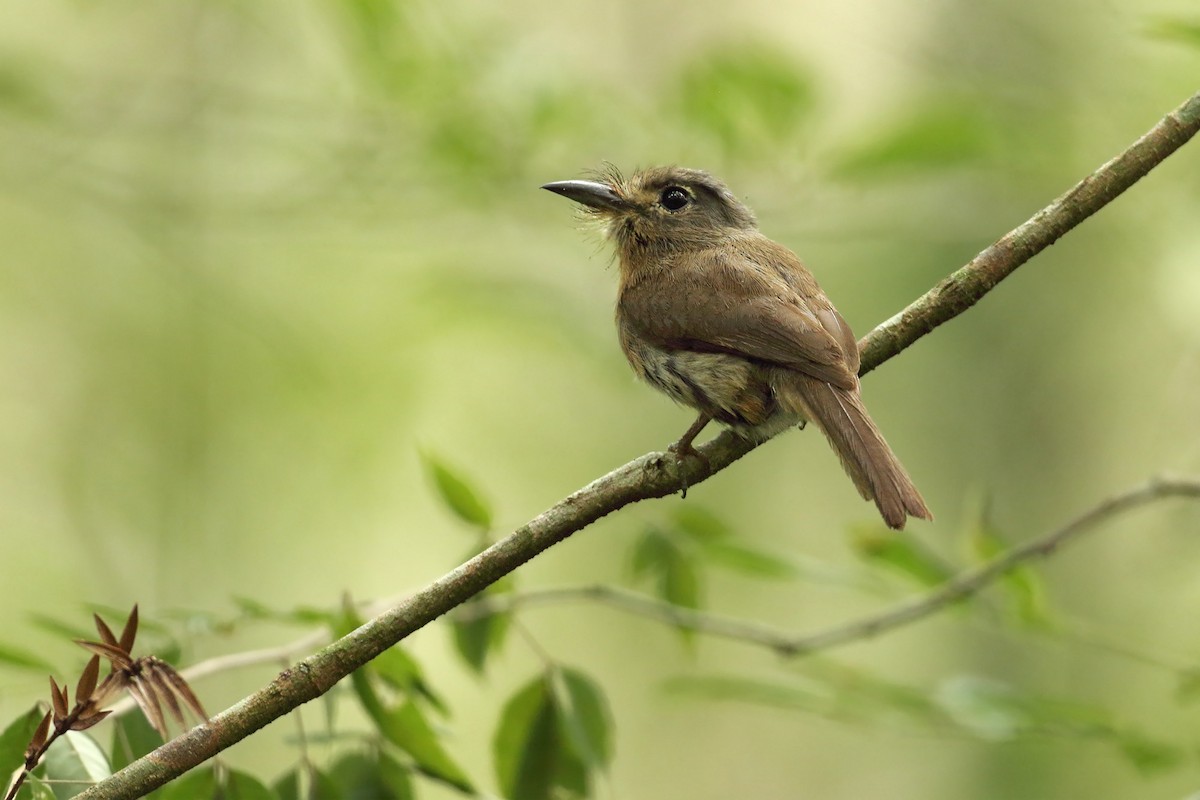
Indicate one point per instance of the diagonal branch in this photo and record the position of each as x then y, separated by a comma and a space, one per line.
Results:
652, 475
965, 286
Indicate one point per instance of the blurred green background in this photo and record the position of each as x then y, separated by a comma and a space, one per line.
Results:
259, 255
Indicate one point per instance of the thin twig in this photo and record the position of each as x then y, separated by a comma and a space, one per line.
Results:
653, 475
970, 582
636, 603
789, 644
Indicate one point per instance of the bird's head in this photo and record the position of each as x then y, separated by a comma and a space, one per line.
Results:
660, 209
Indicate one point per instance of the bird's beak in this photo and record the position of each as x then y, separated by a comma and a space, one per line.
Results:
590, 193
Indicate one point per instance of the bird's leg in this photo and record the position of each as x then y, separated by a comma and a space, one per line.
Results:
683, 448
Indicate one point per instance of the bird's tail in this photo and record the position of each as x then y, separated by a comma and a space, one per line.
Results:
864, 453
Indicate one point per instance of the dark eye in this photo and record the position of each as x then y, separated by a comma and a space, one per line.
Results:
673, 198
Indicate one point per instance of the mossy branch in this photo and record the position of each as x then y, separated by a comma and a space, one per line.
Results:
652, 475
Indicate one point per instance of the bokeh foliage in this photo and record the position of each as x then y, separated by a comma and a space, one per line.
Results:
283, 315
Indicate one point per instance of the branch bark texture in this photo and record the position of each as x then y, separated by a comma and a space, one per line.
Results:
650, 476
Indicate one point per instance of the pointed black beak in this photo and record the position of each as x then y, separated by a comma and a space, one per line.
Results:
590, 193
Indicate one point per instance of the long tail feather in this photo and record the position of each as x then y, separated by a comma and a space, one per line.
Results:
864, 453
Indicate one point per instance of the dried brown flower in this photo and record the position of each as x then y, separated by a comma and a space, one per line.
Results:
150, 681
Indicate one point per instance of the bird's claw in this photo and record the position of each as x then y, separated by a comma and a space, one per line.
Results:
681, 454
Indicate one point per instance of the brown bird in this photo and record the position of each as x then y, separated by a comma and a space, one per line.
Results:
724, 320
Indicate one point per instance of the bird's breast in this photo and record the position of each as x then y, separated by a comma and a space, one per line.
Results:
728, 387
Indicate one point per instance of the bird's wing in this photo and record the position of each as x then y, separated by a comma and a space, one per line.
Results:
837, 327
734, 304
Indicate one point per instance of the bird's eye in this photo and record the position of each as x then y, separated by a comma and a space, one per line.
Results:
673, 198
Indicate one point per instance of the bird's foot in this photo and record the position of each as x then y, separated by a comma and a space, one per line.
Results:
683, 451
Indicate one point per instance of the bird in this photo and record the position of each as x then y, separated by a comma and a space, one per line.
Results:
728, 322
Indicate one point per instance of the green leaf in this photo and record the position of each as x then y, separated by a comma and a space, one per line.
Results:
73, 763
254, 610
747, 690
900, 554
249, 607
989, 709
713, 542
198, 784
650, 553
1187, 690
585, 716
680, 583
242, 786
357, 776
860, 695
744, 96
400, 670
455, 141
475, 639
656, 554
938, 136
16, 738
20, 90
572, 778
323, 787
60, 628
376, 20
1028, 595
378, 44
997, 711
458, 495
133, 737
1149, 756
1021, 585
748, 561
287, 787
407, 728
317, 786
16, 657
527, 748
1176, 29
412, 733
700, 524
396, 778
